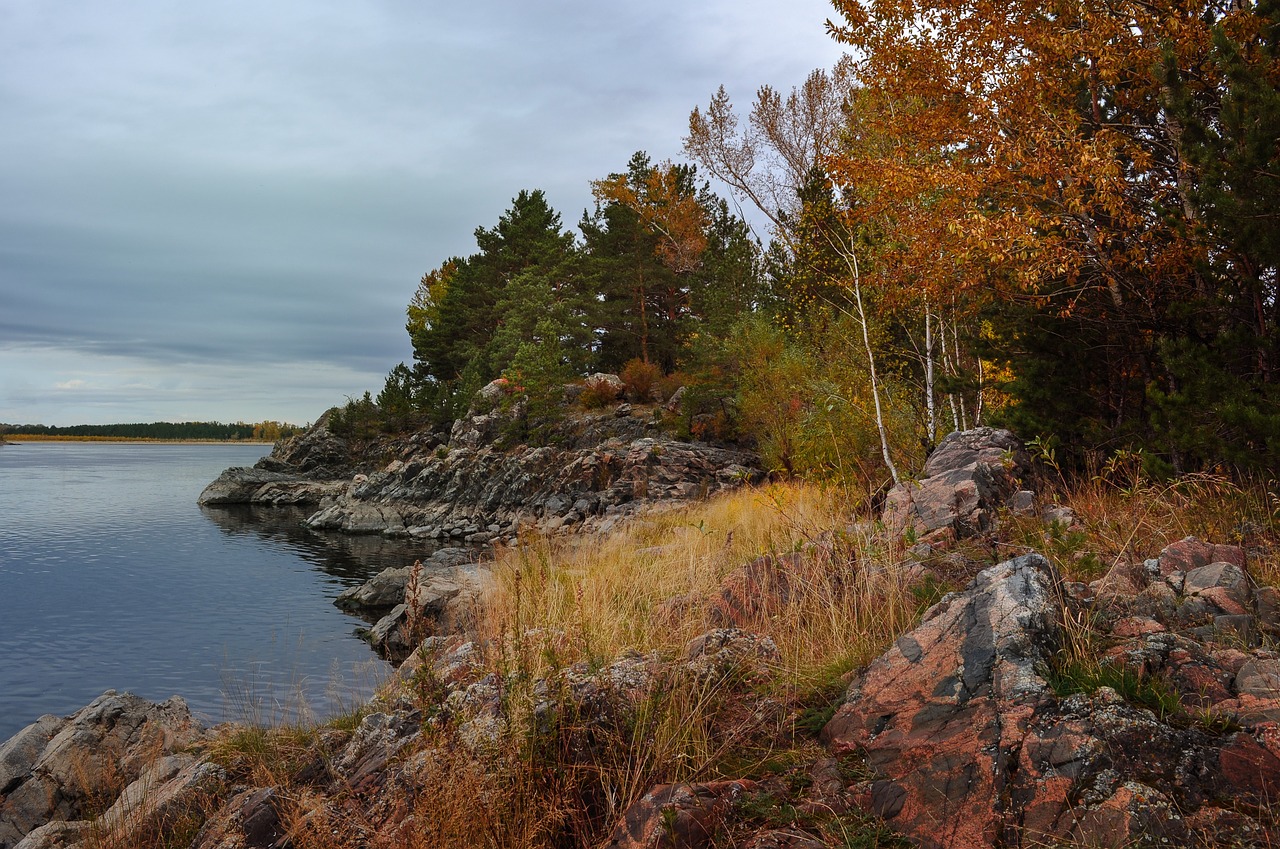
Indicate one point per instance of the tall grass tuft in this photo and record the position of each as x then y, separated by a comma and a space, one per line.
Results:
1126, 516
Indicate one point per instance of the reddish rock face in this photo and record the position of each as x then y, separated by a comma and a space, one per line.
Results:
971, 747
1123, 580
1136, 626
1267, 600
1191, 553
940, 715
1250, 765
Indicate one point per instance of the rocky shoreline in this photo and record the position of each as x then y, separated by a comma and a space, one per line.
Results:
1025, 709
468, 490
469, 487
434, 594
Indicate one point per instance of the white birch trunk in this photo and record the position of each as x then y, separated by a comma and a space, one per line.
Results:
931, 413
852, 259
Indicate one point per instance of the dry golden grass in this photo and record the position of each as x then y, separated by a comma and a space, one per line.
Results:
592, 599
143, 827
130, 812
457, 802
553, 603
1126, 517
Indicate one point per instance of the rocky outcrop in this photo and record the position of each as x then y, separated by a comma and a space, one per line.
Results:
302, 470
477, 495
609, 695
478, 487
434, 596
939, 714
967, 478
355, 790
315, 454
67, 770
992, 723
387, 589
429, 604
249, 820
241, 485
163, 797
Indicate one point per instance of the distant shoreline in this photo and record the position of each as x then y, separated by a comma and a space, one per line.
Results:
17, 438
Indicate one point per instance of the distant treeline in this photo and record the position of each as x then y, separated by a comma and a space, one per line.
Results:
216, 431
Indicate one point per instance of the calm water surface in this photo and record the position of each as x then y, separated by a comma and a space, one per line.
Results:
111, 577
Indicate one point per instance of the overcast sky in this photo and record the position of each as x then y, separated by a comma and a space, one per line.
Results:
218, 211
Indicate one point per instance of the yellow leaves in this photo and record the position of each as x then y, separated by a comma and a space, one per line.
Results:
667, 206
855, 14
424, 307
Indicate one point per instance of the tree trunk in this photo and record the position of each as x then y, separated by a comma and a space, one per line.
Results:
852, 259
931, 413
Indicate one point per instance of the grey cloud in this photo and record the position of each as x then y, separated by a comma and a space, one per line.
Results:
242, 183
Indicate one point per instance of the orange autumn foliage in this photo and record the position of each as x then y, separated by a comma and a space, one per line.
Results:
1026, 143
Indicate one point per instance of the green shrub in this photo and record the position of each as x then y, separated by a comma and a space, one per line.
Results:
537, 375
808, 404
359, 418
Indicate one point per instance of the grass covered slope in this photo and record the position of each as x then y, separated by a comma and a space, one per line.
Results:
614, 619
666, 684
660, 582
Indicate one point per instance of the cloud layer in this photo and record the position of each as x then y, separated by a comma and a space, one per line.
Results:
220, 211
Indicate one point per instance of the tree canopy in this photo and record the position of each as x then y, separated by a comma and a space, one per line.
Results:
660, 258
1062, 217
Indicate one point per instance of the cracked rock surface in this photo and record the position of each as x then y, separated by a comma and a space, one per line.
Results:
970, 744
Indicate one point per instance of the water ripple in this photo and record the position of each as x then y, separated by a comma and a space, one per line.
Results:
112, 578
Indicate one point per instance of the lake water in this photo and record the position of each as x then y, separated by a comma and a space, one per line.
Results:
111, 577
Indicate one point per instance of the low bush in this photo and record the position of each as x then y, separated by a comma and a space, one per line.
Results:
666, 386
639, 379
598, 393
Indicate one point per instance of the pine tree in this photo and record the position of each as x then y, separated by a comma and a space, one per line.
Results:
463, 322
